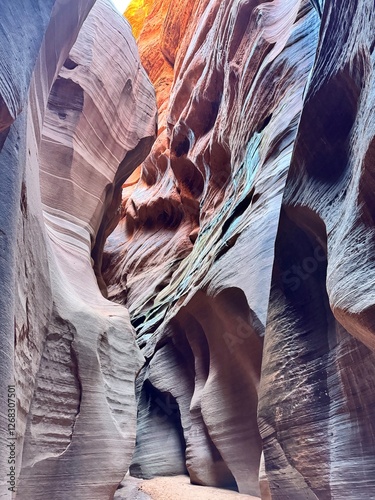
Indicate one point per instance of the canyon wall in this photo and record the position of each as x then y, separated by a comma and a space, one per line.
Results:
245, 250
192, 259
194, 297
84, 117
316, 411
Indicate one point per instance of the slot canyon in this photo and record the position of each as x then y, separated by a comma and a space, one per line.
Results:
187, 250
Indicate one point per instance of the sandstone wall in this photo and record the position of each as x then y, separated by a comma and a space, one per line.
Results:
87, 119
316, 410
240, 242
193, 257
245, 253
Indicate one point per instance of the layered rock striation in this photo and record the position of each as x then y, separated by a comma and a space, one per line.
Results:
244, 254
316, 411
193, 256
24, 50
87, 118
196, 299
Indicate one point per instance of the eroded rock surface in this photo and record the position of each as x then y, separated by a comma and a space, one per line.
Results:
242, 247
214, 252
317, 392
87, 119
24, 49
193, 257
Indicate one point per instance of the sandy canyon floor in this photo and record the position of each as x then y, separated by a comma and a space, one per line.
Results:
174, 488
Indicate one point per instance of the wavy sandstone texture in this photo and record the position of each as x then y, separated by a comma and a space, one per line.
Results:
25, 47
193, 257
317, 398
87, 118
227, 259
240, 242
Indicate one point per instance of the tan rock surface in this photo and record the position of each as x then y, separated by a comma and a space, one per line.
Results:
193, 257
84, 131
179, 487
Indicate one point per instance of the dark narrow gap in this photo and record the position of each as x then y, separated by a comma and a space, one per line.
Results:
239, 210
138, 321
161, 413
299, 306
263, 124
70, 64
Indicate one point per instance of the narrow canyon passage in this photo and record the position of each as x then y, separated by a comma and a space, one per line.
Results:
187, 250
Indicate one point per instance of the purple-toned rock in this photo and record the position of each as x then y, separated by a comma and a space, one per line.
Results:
214, 251
316, 410
88, 120
192, 258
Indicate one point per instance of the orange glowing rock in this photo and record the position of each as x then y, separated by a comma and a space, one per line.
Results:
136, 14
